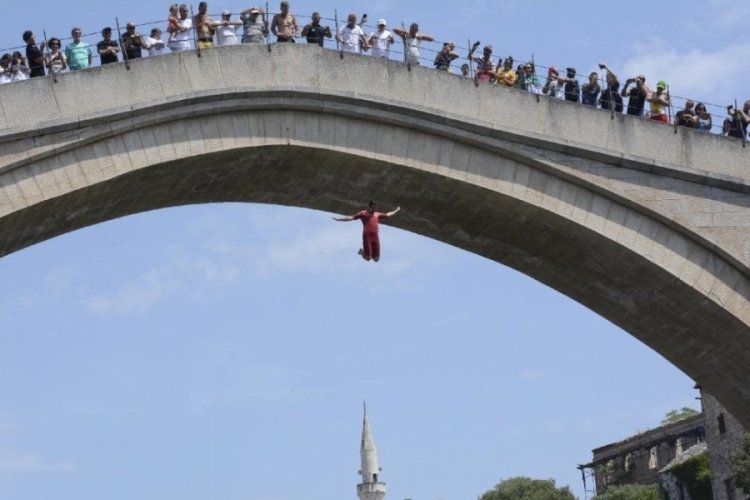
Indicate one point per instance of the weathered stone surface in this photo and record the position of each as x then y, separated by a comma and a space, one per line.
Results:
644, 226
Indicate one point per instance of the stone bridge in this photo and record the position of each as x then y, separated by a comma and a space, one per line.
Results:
645, 225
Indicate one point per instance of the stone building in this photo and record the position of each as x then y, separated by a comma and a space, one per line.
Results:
371, 487
724, 436
638, 459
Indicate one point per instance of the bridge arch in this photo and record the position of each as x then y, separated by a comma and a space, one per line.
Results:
652, 240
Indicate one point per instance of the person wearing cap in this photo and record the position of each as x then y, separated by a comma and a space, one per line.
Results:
254, 25
352, 37
465, 70
370, 240
381, 40
204, 27
154, 44
132, 42
571, 89
412, 40
658, 102
485, 57
107, 48
314, 32
637, 95
446, 56
226, 29
284, 24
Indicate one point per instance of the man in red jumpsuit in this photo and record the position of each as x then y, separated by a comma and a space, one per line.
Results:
370, 241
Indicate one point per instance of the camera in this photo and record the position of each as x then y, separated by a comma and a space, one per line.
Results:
602, 66
476, 44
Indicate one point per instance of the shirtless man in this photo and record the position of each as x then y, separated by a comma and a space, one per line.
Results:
370, 241
284, 25
204, 27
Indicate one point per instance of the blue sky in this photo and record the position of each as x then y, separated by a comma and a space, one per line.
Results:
224, 351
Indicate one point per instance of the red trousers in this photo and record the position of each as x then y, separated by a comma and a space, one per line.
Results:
370, 245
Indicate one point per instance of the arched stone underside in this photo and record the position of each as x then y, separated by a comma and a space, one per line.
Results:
658, 248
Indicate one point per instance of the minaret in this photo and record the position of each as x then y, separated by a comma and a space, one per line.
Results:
371, 488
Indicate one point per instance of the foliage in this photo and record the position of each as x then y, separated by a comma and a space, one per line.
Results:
695, 475
631, 492
525, 488
742, 467
677, 415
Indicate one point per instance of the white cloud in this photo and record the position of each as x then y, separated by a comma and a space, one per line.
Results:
265, 243
31, 462
714, 76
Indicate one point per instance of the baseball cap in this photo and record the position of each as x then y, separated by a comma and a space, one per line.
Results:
254, 11
381, 22
225, 13
661, 84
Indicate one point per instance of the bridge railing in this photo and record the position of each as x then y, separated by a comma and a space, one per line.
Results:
428, 52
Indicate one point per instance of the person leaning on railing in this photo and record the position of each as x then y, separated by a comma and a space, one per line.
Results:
506, 75
739, 118
254, 25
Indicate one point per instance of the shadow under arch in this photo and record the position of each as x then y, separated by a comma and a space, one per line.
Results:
658, 306
593, 210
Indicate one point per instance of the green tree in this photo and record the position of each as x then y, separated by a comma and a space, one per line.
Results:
677, 415
525, 488
742, 467
631, 492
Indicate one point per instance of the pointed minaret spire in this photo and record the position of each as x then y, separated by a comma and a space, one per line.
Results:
371, 488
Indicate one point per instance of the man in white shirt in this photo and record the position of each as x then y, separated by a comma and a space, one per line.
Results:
351, 37
154, 43
181, 39
381, 41
226, 30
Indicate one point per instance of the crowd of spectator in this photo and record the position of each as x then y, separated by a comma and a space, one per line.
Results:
201, 31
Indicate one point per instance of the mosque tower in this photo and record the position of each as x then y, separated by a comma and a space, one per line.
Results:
371, 488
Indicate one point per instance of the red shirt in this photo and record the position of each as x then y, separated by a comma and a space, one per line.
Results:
370, 220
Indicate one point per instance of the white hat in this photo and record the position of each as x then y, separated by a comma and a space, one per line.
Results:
381, 22
225, 13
